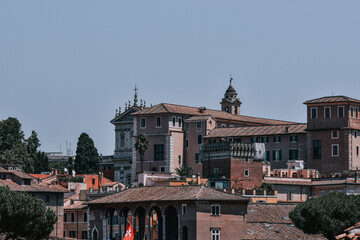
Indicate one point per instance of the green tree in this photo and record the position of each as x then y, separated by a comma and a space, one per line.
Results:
10, 134
23, 158
22, 215
329, 215
141, 145
7, 156
184, 171
41, 162
70, 165
87, 157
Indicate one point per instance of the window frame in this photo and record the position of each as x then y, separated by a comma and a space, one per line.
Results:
198, 126
351, 111
142, 120
325, 115
312, 113
332, 134
72, 214
336, 154
199, 139
246, 173
173, 120
215, 210
184, 209
342, 111
275, 158
277, 139
180, 121
160, 120
292, 137
317, 156
215, 233
158, 154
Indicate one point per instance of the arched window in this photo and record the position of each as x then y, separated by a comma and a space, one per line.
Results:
227, 109
94, 234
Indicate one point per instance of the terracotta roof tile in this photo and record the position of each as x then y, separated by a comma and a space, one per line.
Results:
332, 99
31, 188
257, 130
77, 205
169, 193
163, 108
271, 221
21, 174
37, 176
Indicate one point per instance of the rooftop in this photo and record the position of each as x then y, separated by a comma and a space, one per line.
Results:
31, 188
332, 99
169, 193
271, 221
164, 108
257, 130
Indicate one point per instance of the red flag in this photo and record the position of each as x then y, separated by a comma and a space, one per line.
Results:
129, 235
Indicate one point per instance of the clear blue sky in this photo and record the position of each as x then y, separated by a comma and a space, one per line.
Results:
65, 66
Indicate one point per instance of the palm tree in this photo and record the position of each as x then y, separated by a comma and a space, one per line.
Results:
141, 145
8, 156
184, 171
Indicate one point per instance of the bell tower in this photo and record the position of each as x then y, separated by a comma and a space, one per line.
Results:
231, 103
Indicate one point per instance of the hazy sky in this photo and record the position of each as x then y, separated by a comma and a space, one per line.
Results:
65, 66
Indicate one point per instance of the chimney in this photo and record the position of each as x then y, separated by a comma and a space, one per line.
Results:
357, 175
202, 109
198, 179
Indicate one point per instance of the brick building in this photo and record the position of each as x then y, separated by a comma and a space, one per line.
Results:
233, 165
176, 212
333, 125
76, 220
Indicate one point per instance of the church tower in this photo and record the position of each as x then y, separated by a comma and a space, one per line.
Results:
231, 103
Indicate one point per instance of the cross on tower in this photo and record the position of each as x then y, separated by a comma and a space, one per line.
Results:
135, 96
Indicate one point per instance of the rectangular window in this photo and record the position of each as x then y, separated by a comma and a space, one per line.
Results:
264, 139
352, 111
327, 112
317, 149
159, 152
64, 234
277, 155
357, 151
184, 209
84, 234
215, 210
335, 134
142, 122
215, 233
216, 171
357, 112
85, 217
65, 217
72, 217
341, 112
254, 139
72, 234
293, 138
199, 139
277, 139
180, 121
246, 172
267, 155
246, 160
198, 126
173, 121
186, 143
158, 122
313, 113
197, 157
162, 169
293, 154
335, 149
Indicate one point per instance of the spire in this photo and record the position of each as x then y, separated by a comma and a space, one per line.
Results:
231, 79
135, 96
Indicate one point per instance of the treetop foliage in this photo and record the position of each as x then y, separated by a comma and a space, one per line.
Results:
87, 157
329, 215
184, 171
14, 148
22, 215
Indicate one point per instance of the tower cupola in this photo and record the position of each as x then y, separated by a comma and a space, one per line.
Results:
231, 103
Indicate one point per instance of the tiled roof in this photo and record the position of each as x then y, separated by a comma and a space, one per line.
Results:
37, 176
77, 205
21, 174
3, 170
332, 99
257, 130
271, 221
169, 193
31, 188
197, 118
164, 108
350, 233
